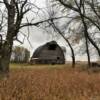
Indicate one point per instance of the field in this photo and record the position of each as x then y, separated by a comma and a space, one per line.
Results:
50, 82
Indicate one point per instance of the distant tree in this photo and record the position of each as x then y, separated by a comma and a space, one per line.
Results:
20, 55
27, 56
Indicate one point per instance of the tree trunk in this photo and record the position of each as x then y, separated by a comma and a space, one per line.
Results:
72, 51
86, 39
8, 43
5, 56
87, 51
73, 57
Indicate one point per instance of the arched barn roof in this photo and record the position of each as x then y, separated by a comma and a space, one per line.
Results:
37, 51
48, 53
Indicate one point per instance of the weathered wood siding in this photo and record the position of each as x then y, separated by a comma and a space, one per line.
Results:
44, 55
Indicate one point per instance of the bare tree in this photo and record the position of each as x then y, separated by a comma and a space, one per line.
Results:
16, 12
69, 44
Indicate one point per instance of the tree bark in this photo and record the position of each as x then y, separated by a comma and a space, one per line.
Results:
5, 56
8, 43
87, 51
86, 39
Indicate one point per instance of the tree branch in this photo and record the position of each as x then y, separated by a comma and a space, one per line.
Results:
39, 22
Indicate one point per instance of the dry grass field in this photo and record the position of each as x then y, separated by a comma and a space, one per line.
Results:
50, 82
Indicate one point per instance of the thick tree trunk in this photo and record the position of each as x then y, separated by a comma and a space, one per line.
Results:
8, 43
5, 56
4, 65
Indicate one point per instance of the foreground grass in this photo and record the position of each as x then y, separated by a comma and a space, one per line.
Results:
47, 82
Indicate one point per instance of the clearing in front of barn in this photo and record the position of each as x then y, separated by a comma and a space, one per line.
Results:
48, 82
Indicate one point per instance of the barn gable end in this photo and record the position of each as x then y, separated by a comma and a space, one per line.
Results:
49, 53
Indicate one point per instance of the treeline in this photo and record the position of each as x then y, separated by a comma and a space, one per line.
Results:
20, 55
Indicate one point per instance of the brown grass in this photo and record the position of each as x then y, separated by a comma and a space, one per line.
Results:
51, 84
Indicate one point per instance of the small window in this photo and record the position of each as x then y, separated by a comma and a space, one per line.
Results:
52, 47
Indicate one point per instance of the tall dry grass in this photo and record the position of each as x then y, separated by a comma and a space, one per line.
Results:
50, 84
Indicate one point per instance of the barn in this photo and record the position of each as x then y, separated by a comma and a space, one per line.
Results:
49, 53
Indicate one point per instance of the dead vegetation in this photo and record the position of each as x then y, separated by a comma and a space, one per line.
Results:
63, 83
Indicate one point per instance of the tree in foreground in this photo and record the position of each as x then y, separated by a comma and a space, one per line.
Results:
16, 15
